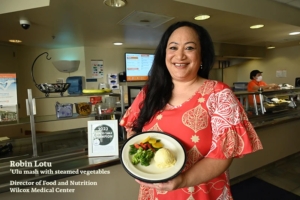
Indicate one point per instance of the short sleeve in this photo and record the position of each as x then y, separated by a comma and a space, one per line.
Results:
250, 86
233, 134
264, 83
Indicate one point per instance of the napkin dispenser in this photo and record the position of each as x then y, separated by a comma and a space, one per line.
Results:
77, 84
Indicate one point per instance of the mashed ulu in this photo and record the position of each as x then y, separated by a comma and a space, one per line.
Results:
164, 158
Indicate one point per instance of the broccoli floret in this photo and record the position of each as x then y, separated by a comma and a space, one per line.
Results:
135, 160
137, 156
145, 162
149, 154
146, 157
142, 156
132, 150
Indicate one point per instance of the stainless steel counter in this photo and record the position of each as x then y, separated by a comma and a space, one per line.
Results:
76, 158
269, 119
79, 160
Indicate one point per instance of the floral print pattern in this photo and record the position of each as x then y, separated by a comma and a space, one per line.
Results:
212, 124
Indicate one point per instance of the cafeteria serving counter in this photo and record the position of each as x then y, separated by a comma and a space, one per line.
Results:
277, 131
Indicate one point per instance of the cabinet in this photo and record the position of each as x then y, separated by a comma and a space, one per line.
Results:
81, 132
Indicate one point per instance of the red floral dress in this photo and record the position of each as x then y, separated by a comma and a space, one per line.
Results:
212, 124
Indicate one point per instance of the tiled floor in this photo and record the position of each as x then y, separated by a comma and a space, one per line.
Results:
285, 175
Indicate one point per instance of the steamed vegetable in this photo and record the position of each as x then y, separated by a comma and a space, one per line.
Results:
144, 151
142, 156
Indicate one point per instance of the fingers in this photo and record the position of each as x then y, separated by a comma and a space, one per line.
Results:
129, 134
151, 185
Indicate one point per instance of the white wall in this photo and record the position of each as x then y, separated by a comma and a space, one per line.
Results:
20, 59
8, 61
276, 59
113, 62
113, 59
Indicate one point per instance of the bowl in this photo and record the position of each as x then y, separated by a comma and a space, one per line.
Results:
107, 108
53, 88
83, 108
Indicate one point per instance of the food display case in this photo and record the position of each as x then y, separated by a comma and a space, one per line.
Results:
280, 100
274, 106
67, 148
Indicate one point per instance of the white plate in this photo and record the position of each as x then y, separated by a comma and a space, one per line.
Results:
151, 173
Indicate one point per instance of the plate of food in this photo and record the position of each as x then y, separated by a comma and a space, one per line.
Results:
153, 157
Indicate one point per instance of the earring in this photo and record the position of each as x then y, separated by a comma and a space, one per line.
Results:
201, 66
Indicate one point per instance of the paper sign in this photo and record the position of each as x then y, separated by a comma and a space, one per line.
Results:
103, 138
97, 68
8, 90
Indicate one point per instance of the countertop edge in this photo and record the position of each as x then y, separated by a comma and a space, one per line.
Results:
95, 163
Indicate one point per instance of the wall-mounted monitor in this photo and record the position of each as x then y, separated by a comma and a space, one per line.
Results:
138, 66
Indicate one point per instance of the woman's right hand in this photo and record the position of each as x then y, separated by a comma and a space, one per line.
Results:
274, 86
130, 133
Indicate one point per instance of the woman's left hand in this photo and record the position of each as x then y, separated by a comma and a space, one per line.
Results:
165, 186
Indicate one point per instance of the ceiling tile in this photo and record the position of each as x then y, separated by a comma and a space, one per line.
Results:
139, 18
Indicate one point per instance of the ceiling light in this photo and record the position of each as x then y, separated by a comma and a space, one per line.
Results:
115, 3
118, 43
270, 47
257, 26
15, 41
202, 17
294, 33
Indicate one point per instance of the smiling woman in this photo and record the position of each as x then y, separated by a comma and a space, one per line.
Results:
182, 55
202, 114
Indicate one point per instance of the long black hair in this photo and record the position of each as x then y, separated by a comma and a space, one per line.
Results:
159, 85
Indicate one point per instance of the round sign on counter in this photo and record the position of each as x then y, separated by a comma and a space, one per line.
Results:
103, 138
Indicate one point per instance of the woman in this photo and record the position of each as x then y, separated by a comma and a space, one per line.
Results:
257, 83
203, 114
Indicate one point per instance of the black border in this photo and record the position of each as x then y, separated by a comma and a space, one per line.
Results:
159, 180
